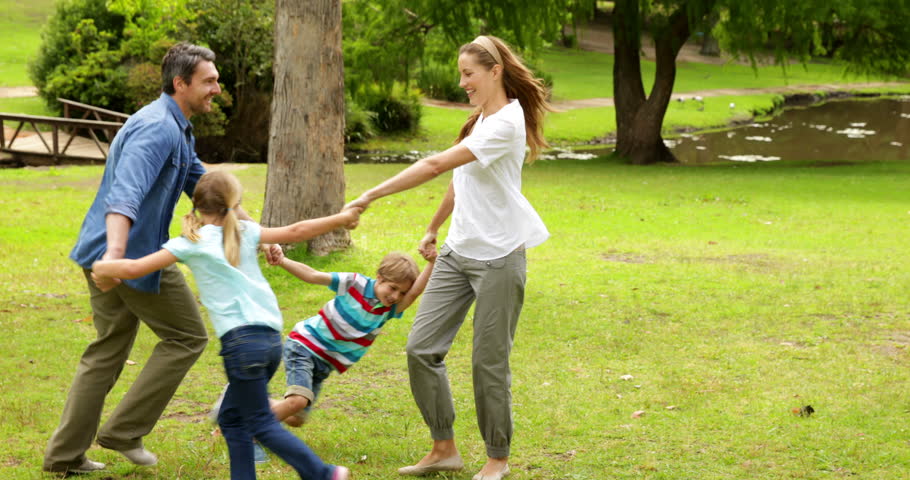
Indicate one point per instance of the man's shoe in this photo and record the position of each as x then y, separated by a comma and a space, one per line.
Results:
88, 466
451, 464
140, 456
496, 476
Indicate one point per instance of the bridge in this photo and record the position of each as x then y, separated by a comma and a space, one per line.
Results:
44, 141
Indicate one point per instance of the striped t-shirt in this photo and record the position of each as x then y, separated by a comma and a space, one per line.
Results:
347, 325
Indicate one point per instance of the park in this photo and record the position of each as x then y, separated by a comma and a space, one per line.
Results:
679, 323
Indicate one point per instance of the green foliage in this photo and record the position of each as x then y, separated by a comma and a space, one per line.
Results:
358, 122
396, 110
440, 81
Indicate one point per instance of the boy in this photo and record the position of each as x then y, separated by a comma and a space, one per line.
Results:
345, 327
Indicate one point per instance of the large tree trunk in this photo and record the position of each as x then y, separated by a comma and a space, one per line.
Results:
639, 118
306, 133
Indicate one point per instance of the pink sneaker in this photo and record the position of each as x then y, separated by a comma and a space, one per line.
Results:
341, 473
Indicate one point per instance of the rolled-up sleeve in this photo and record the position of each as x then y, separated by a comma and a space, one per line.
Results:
144, 154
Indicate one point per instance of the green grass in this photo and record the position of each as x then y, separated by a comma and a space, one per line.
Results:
731, 293
21, 24
26, 105
582, 74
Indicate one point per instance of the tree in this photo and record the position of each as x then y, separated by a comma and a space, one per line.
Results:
306, 134
868, 35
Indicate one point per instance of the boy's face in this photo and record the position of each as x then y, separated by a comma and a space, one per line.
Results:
389, 292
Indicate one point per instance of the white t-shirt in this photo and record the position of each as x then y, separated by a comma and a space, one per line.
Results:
491, 217
233, 296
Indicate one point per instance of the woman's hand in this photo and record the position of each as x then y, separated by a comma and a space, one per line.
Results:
362, 202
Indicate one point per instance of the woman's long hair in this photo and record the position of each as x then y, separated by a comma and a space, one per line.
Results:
519, 82
217, 193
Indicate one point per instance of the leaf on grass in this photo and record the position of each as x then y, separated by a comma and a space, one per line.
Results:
670, 407
805, 411
83, 319
638, 414
130, 362
626, 377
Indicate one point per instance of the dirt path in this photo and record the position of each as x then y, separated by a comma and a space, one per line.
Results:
17, 92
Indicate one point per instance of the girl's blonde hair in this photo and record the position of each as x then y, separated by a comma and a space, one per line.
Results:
519, 82
217, 193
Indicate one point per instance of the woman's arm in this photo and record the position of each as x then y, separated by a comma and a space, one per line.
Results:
417, 174
140, 267
305, 272
307, 229
428, 242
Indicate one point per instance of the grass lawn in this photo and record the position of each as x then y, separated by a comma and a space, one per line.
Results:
728, 295
21, 24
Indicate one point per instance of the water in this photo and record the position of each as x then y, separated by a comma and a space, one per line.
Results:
839, 130
842, 130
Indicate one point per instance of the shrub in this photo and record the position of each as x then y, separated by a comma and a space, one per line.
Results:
358, 122
440, 81
396, 109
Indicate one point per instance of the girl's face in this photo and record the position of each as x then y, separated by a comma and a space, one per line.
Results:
479, 83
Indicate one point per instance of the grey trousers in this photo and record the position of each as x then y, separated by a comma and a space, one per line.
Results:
498, 288
174, 317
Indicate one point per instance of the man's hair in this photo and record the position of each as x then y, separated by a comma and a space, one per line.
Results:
180, 61
398, 267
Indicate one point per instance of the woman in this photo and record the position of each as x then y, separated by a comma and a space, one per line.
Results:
483, 258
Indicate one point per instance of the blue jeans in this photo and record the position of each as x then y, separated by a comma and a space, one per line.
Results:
251, 355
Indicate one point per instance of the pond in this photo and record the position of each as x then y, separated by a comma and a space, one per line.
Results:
851, 130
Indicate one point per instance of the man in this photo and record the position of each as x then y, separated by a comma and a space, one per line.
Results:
152, 160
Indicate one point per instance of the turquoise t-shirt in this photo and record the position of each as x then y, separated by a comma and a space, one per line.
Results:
234, 296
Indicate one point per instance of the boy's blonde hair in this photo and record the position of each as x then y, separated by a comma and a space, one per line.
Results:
217, 193
398, 267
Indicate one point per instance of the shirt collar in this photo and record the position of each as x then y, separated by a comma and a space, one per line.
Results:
368, 291
182, 121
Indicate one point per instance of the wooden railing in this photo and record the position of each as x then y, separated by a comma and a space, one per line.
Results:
63, 132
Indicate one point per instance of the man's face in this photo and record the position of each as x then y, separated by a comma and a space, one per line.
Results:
196, 96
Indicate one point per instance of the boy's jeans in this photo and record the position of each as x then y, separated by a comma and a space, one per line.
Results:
251, 355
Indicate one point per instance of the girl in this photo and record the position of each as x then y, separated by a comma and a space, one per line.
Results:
221, 252
483, 259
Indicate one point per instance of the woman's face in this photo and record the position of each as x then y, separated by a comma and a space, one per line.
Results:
478, 82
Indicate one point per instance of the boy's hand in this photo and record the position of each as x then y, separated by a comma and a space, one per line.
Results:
273, 253
430, 256
427, 246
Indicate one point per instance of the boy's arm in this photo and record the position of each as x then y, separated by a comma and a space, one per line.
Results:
307, 229
305, 272
418, 286
127, 268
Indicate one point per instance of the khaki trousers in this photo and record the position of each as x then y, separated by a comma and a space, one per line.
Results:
174, 317
497, 286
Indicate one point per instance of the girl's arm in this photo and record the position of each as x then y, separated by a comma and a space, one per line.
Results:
307, 229
305, 272
418, 286
416, 174
140, 267
428, 243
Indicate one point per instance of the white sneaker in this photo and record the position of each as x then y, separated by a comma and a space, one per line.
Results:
140, 456
88, 466
216, 407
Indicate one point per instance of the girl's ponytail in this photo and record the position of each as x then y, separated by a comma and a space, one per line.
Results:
190, 226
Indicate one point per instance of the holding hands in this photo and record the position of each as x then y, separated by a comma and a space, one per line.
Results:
427, 246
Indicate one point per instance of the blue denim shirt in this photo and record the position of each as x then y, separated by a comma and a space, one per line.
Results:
152, 159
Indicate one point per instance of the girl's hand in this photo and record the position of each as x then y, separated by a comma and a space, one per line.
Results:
354, 214
362, 202
273, 253
103, 283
